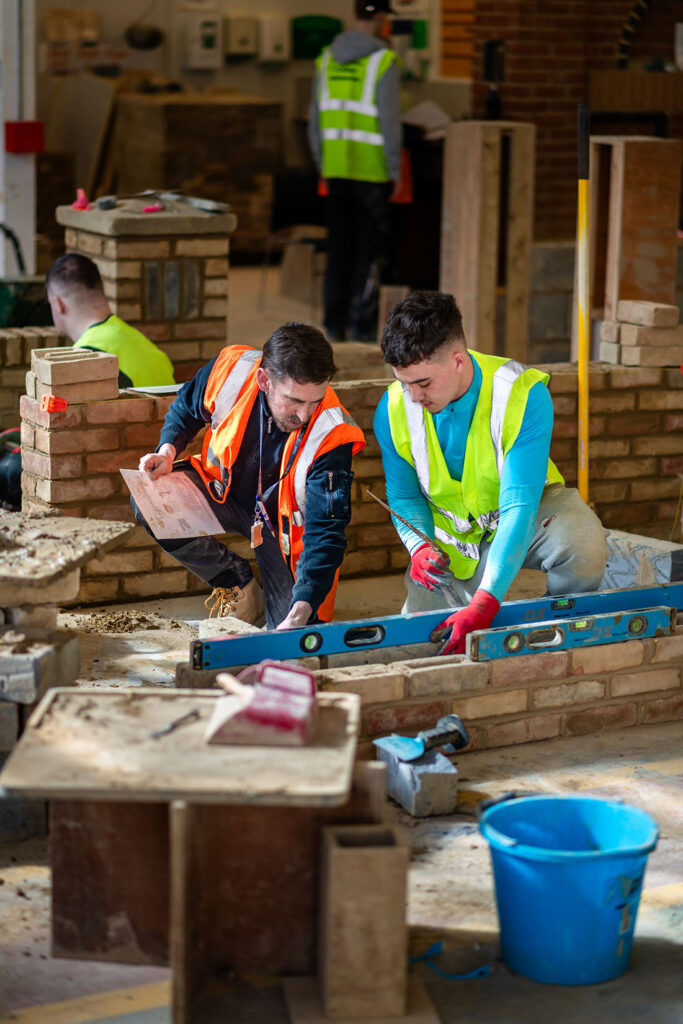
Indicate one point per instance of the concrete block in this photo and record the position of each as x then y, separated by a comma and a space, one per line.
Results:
423, 787
649, 314
73, 366
19, 592
363, 932
610, 352
31, 662
609, 331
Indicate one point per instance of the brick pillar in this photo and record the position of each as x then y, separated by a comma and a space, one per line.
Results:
165, 273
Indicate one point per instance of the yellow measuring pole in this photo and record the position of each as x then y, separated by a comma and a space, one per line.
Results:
583, 299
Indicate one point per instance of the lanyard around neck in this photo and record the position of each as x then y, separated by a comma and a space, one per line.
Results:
262, 498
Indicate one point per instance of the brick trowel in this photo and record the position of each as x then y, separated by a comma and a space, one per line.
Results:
448, 732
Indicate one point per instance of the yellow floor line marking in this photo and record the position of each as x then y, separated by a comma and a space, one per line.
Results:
663, 895
94, 1007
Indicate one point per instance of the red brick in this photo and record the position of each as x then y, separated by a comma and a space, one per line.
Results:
61, 442
30, 410
123, 410
609, 716
52, 467
605, 658
139, 435
59, 491
404, 717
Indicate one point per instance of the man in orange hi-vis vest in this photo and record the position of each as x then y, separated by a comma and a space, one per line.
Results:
275, 467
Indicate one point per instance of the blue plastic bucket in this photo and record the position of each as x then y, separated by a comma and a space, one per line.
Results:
568, 873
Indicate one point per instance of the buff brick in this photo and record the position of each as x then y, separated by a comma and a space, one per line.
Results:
376, 684
635, 377
581, 692
110, 462
67, 420
119, 291
77, 394
51, 467
202, 329
129, 310
121, 513
632, 334
71, 239
115, 249
614, 448
649, 314
153, 584
405, 717
123, 410
179, 351
665, 710
527, 730
58, 491
668, 648
616, 401
506, 702
216, 286
364, 563
90, 244
652, 355
618, 469
434, 677
215, 307
13, 352
141, 434
15, 379
662, 488
209, 349
216, 268
609, 331
98, 591
119, 268
28, 435
60, 442
120, 562
59, 366
609, 491
610, 716
376, 536
644, 682
201, 247
653, 400
607, 658
529, 668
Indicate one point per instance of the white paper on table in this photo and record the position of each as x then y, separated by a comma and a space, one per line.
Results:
172, 505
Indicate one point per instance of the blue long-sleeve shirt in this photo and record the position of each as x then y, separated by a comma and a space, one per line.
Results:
328, 484
521, 483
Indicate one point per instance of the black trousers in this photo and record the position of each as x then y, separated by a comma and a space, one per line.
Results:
357, 233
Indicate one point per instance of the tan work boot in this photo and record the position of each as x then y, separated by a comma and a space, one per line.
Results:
244, 603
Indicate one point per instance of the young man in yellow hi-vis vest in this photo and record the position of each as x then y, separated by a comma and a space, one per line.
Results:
465, 441
275, 467
80, 311
354, 130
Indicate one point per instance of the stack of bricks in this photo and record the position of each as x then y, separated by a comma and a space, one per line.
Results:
165, 273
519, 699
644, 334
16, 346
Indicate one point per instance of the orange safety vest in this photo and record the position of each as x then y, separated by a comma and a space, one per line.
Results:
229, 397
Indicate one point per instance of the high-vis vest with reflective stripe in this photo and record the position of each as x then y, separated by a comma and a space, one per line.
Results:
352, 143
139, 358
466, 511
229, 397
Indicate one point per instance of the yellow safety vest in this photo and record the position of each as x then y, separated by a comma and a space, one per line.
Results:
466, 511
139, 358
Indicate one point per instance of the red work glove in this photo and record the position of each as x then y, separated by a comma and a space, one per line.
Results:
426, 566
478, 614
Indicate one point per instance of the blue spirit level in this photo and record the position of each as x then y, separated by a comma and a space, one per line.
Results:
418, 627
608, 628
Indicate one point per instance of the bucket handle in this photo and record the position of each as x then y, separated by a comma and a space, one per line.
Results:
492, 802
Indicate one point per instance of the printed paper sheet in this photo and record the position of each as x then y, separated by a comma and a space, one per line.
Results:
172, 505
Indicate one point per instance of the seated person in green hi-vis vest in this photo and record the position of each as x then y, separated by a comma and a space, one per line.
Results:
81, 312
354, 131
465, 440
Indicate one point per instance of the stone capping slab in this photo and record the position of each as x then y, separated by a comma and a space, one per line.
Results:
73, 365
127, 218
40, 549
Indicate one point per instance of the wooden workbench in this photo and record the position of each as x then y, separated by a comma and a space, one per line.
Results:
170, 850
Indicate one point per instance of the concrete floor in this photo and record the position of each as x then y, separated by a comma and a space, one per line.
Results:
451, 894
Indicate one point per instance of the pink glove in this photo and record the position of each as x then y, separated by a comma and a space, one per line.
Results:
478, 614
426, 566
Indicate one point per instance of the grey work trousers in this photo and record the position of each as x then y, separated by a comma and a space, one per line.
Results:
569, 545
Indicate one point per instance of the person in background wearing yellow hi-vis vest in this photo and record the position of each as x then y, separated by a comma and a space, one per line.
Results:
465, 440
81, 312
354, 130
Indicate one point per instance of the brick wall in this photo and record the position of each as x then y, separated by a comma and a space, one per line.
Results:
552, 46
520, 699
72, 463
16, 346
